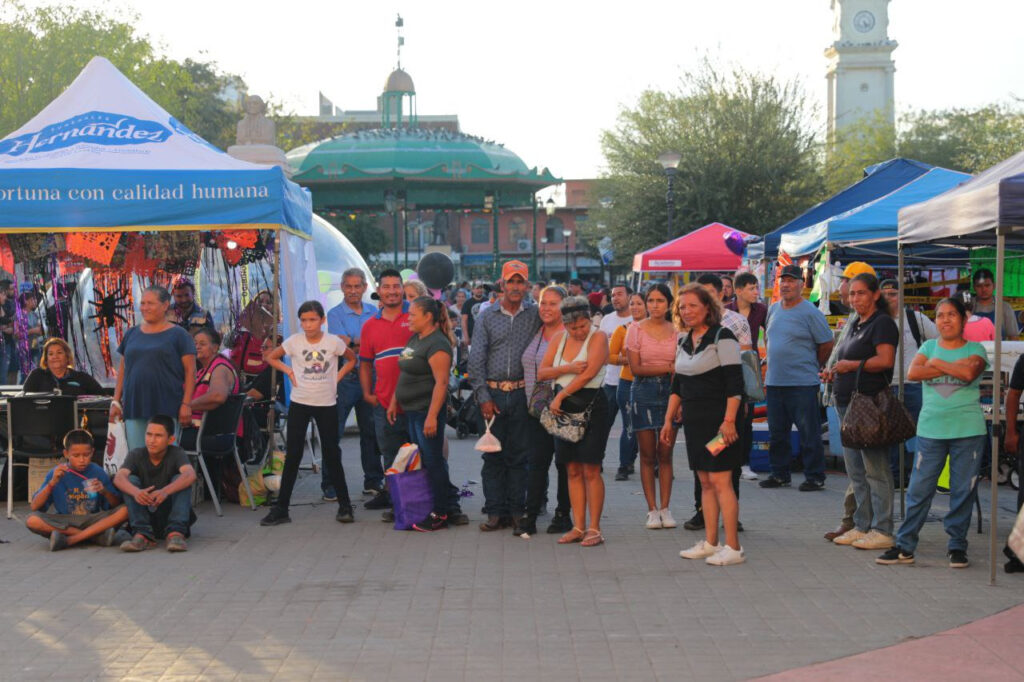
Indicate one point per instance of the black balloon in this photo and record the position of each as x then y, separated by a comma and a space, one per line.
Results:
436, 270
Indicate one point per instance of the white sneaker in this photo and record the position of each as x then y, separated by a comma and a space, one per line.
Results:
702, 550
747, 474
726, 556
666, 519
653, 520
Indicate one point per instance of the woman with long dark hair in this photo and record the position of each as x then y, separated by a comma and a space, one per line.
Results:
866, 356
424, 366
156, 374
651, 351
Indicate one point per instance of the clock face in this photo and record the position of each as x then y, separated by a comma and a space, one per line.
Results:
863, 21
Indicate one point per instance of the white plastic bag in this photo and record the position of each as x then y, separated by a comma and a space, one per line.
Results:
1016, 539
488, 442
117, 447
407, 459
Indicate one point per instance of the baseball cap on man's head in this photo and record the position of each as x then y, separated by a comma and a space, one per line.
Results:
513, 268
793, 271
857, 268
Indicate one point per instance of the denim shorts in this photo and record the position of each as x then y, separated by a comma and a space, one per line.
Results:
648, 402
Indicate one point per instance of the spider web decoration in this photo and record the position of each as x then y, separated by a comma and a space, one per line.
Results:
135, 260
114, 309
96, 246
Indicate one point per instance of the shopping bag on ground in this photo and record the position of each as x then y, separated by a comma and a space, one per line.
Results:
407, 459
410, 497
488, 442
1016, 539
117, 447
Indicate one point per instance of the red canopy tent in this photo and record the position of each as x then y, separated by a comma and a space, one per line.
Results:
702, 249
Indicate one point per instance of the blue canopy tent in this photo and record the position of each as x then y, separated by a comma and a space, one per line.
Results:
868, 232
879, 180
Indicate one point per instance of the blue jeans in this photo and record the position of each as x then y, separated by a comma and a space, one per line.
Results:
390, 437
627, 439
872, 486
504, 473
789, 405
350, 395
912, 401
170, 517
964, 461
610, 395
446, 495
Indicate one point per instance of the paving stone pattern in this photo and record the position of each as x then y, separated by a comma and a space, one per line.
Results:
319, 600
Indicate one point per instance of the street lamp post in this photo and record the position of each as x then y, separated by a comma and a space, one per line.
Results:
533, 242
543, 258
565, 234
670, 163
389, 206
491, 204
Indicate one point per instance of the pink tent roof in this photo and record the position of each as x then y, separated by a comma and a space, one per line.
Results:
702, 249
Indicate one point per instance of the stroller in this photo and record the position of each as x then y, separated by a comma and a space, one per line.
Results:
463, 413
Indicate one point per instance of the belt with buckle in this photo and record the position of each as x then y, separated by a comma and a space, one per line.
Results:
506, 385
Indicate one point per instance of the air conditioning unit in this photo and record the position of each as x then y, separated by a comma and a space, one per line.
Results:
523, 245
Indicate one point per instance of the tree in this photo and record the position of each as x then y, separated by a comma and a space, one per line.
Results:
42, 50
362, 229
747, 159
860, 144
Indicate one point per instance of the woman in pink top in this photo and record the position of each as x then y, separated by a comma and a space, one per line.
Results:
977, 328
651, 351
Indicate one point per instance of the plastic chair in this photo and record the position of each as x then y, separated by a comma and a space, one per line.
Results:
43, 420
222, 421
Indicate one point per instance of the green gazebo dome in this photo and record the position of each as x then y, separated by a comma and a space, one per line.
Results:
437, 169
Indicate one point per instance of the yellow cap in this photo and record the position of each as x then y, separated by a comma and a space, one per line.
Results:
857, 268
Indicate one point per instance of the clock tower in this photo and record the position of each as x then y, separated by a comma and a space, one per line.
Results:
860, 66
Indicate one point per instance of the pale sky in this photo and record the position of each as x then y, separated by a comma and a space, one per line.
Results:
545, 78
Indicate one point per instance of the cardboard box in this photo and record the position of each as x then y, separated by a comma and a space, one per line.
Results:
38, 467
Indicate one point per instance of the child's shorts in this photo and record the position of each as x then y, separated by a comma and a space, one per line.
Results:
79, 521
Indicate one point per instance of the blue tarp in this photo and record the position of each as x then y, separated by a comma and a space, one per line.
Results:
873, 225
879, 180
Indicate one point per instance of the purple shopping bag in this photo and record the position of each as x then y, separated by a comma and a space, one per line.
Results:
410, 497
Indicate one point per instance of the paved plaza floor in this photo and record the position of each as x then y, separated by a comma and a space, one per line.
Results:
319, 600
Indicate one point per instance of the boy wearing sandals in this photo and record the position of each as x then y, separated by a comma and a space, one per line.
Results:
86, 503
156, 481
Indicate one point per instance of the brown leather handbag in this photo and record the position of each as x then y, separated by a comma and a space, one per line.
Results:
875, 421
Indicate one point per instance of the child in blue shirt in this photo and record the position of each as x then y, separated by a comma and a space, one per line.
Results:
86, 502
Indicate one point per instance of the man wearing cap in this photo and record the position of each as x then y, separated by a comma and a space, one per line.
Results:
500, 337
799, 343
346, 320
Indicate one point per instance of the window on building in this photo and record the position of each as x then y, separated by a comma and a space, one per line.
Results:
517, 230
480, 231
554, 230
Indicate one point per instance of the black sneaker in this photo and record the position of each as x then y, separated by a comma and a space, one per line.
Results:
772, 482
344, 515
58, 541
526, 525
895, 555
371, 491
431, 523
457, 519
958, 558
560, 523
381, 501
275, 517
696, 521
739, 527
631, 469
330, 495
388, 516
622, 474
809, 486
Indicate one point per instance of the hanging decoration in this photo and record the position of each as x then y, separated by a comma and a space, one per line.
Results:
115, 308
21, 340
135, 260
6, 255
257, 253
27, 247
96, 246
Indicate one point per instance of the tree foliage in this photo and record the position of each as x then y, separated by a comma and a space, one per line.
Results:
43, 49
748, 159
363, 230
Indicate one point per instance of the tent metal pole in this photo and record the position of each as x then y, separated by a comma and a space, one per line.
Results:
997, 402
277, 320
900, 373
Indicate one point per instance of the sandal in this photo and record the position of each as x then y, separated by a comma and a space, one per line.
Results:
571, 536
592, 538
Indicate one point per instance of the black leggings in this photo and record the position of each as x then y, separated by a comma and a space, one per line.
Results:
326, 418
542, 451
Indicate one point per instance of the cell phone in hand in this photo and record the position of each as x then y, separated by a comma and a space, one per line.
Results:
716, 445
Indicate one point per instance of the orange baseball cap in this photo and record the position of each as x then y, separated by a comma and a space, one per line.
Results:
857, 268
513, 268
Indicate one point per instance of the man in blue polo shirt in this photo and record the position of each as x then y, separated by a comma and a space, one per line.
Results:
346, 320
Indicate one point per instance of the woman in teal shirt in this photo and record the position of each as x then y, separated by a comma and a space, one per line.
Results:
951, 422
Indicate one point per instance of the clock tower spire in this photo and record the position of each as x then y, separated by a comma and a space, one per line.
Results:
860, 65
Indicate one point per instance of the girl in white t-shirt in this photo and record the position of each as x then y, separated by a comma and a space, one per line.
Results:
314, 374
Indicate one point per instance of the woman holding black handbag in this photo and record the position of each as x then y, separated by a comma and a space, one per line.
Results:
575, 361
539, 394
866, 355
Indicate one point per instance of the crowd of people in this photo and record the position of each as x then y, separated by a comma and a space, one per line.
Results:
551, 370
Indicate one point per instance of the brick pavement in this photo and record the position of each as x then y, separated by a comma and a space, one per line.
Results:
320, 600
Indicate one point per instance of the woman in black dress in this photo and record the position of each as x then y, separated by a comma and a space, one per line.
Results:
708, 383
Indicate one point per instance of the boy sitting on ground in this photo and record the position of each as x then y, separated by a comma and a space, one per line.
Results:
87, 504
156, 481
